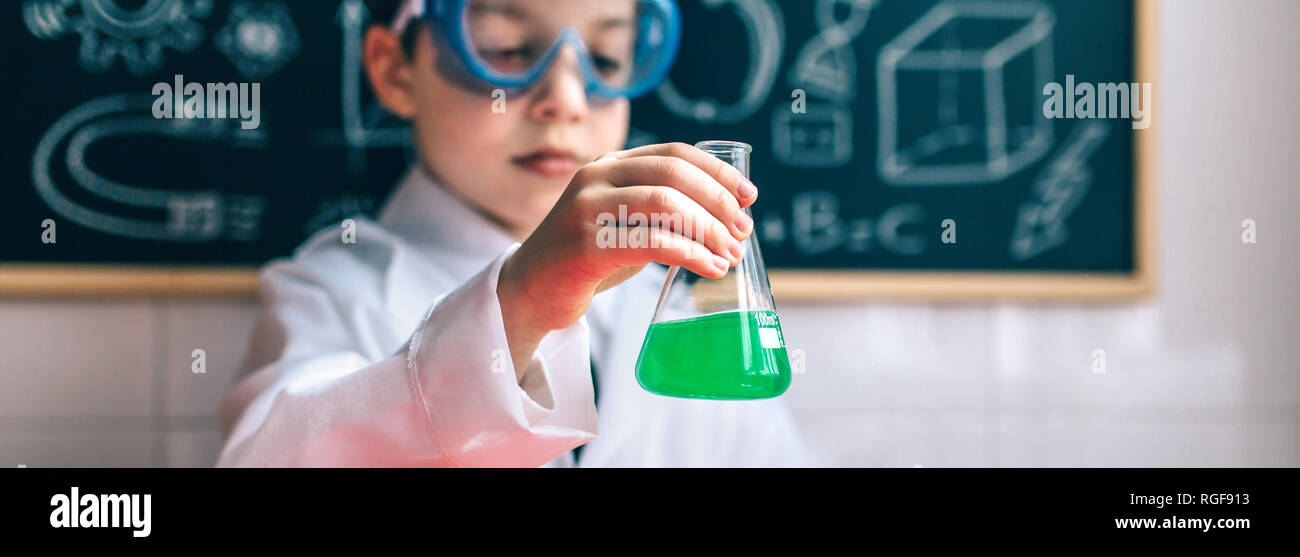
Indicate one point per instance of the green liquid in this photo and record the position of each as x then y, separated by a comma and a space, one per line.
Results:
732, 355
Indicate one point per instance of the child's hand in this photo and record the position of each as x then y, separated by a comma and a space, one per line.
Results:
548, 283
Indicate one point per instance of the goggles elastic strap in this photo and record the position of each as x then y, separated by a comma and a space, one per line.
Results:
411, 9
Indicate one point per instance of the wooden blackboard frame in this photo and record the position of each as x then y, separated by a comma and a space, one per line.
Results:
125, 280
63, 280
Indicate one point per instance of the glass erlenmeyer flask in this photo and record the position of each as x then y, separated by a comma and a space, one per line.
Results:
717, 338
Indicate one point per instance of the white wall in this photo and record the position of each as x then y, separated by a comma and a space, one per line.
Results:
108, 383
1206, 373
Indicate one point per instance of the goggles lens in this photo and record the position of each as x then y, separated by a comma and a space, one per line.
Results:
624, 46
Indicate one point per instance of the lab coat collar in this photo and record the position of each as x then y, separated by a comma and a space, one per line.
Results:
430, 217
444, 230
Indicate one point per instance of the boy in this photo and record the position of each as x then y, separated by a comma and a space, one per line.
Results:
461, 328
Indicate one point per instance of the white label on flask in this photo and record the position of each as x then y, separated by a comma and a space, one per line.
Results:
769, 337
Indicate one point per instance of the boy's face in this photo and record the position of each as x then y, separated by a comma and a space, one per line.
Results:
515, 164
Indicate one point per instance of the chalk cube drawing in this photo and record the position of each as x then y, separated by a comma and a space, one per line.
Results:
960, 94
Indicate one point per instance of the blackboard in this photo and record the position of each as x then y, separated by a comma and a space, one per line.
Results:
147, 205
920, 117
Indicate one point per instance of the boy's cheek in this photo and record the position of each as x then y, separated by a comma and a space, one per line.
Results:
609, 127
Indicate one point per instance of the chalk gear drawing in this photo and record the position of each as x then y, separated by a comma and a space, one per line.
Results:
108, 31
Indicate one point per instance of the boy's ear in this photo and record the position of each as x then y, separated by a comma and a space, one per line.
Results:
389, 71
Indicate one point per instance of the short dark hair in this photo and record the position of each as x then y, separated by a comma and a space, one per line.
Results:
383, 12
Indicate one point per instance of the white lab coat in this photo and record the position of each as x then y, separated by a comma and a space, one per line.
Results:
391, 351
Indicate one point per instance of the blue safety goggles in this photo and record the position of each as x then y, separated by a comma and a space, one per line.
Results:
625, 47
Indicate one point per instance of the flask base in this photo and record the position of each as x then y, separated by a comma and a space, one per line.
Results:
735, 355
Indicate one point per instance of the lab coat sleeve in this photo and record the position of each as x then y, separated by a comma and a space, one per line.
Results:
449, 397
460, 368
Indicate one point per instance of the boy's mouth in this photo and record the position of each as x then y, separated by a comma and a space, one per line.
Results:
549, 162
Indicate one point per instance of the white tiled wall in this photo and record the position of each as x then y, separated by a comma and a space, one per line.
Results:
1206, 373
109, 383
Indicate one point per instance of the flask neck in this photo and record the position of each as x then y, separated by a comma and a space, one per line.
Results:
733, 153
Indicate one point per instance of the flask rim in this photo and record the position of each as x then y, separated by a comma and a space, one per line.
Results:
723, 147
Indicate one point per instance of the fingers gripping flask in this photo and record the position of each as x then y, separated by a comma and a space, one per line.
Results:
717, 338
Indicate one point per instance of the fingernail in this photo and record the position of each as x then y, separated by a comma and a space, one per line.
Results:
721, 263
743, 222
736, 249
747, 190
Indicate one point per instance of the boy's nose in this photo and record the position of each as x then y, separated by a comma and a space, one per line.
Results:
561, 94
